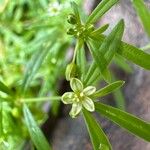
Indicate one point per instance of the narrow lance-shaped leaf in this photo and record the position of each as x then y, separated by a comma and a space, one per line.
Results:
96, 76
98, 137
135, 55
100, 10
90, 72
130, 52
93, 72
108, 89
122, 63
100, 30
107, 50
144, 14
107, 75
112, 42
99, 59
34, 65
131, 123
36, 134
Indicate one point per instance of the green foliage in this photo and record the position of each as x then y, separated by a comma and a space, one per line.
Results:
130, 53
135, 55
100, 10
125, 120
111, 43
108, 89
35, 63
33, 49
98, 138
5, 89
103, 49
144, 14
33, 44
36, 134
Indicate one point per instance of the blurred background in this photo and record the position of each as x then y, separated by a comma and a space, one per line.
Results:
33, 30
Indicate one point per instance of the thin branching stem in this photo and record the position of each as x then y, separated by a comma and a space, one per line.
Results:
40, 99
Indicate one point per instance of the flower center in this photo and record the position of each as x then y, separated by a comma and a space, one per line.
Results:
79, 97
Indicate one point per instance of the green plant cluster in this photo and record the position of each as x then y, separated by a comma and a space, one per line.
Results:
39, 38
32, 34
103, 49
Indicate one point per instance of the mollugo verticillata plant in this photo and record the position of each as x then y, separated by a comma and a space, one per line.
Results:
103, 49
16, 119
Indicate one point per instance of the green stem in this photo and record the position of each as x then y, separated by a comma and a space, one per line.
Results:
40, 99
78, 46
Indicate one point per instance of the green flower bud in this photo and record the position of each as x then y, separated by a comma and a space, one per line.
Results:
72, 19
15, 112
71, 31
70, 71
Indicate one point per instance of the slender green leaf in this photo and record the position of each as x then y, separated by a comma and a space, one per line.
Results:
131, 123
100, 10
90, 72
108, 48
130, 52
113, 41
121, 62
100, 61
98, 137
108, 89
135, 55
144, 14
94, 74
107, 75
100, 30
5, 89
36, 134
94, 78
34, 65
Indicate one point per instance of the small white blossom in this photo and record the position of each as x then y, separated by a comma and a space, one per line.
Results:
54, 9
79, 97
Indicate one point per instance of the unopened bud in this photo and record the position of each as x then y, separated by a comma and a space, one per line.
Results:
70, 71
72, 19
15, 112
70, 31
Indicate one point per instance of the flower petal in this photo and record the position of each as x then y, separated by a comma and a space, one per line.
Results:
76, 85
75, 110
89, 90
67, 98
88, 104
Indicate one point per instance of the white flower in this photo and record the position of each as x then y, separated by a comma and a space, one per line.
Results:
79, 97
54, 9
